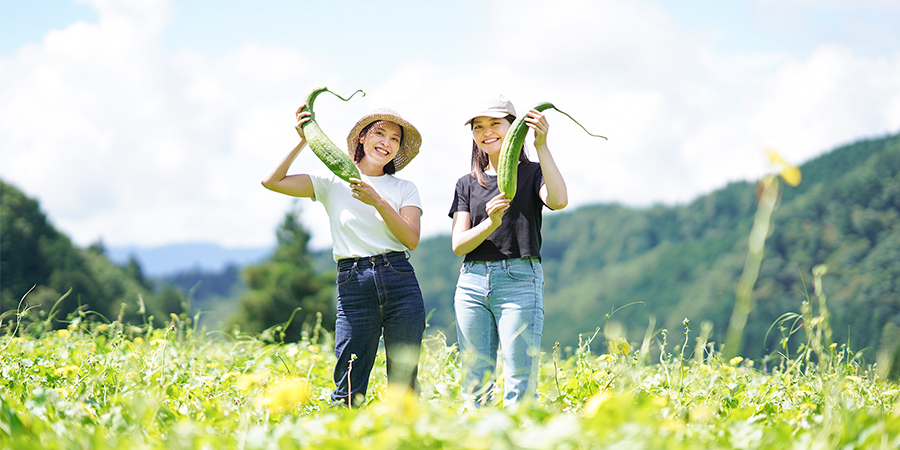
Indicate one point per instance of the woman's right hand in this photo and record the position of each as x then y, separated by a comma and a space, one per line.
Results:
302, 117
496, 207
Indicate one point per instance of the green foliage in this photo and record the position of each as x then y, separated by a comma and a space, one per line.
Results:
671, 262
96, 385
42, 271
285, 293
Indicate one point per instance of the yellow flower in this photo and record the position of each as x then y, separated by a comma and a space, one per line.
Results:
313, 348
398, 403
138, 340
248, 380
156, 342
285, 393
102, 327
66, 370
593, 404
736, 360
62, 333
790, 174
63, 392
618, 346
607, 357
72, 326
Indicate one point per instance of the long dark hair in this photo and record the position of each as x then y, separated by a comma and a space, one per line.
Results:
389, 168
480, 159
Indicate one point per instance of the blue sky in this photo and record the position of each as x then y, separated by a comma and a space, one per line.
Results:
151, 122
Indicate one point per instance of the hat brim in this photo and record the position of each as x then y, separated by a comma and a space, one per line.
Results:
492, 114
409, 147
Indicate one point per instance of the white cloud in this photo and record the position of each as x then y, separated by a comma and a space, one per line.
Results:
122, 139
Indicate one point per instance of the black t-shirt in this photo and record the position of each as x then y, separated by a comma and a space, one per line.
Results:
520, 233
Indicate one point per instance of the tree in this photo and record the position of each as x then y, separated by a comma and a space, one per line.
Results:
286, 287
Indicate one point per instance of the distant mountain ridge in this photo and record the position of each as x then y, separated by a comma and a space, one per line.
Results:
669, 263
164, 260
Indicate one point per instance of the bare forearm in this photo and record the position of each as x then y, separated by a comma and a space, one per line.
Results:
404, 227
280, 171
464, 241
294, 185
555, 194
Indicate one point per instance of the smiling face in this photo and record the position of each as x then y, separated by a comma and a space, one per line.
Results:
488, 133
381, 142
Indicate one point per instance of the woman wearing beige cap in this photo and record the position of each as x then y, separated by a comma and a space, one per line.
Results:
374, 222
499, 293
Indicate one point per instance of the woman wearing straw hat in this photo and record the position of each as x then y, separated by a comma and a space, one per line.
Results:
374, 222
499, 293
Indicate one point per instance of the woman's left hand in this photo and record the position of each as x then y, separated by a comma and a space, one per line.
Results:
538, 122
364, 192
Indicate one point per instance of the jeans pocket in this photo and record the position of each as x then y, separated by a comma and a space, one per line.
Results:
521, 272
403, 267
345, 276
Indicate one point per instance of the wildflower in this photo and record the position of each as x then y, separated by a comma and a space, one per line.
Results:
66, 370
313, 348
138, 340
736, 360
702, 413
790, 174
62, 333
832, 346
72, 326
618, 346
607, 357
593, 404
102, 327
248, 380
399, 403
285, 393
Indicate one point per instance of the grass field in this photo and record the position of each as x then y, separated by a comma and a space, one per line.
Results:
97, 385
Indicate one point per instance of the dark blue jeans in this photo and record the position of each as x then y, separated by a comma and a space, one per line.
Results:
376, 295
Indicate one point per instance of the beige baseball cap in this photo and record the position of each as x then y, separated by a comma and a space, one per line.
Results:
496, 107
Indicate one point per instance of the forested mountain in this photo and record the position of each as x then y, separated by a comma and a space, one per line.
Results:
675, 262
41, 265
666, 263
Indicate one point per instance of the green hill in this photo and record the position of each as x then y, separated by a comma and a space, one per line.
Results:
675, 262
39, 266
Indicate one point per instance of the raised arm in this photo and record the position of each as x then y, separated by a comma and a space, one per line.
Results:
295, 185
553, 193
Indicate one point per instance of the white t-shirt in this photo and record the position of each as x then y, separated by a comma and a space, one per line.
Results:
357, 229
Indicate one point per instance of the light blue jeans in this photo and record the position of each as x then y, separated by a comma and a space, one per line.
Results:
500, 303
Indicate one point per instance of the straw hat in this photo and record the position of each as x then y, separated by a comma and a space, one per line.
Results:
409, 147
497, 107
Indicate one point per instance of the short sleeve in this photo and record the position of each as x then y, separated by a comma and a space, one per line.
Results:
321, 186
460, 198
